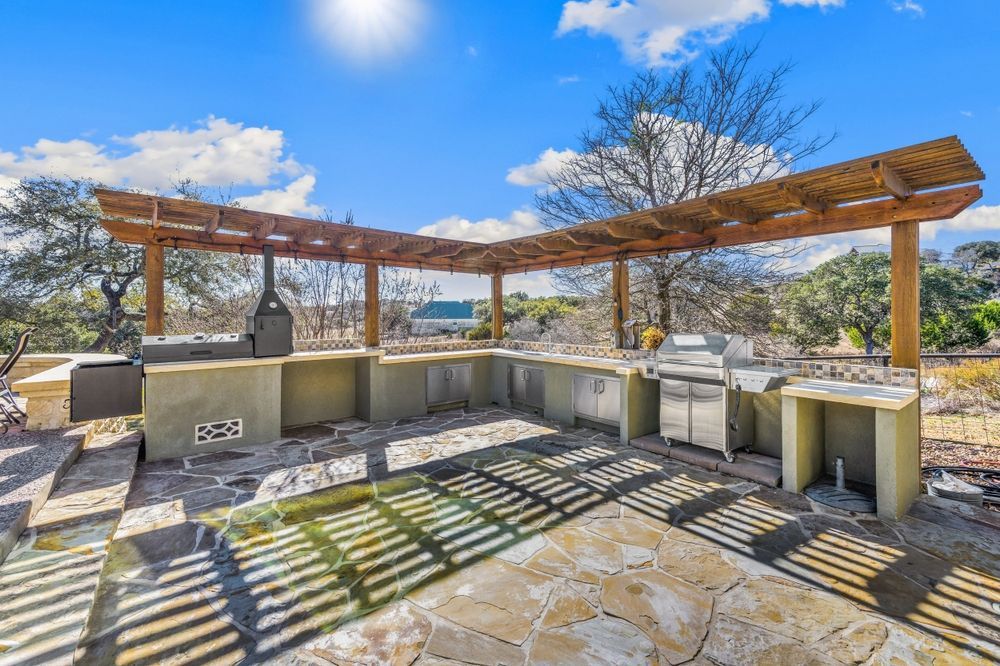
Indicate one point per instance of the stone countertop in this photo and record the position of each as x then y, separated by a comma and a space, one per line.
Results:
57, 378
619, 366
865, 395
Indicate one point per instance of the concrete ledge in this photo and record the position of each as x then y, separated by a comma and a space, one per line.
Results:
882, 397
31, 465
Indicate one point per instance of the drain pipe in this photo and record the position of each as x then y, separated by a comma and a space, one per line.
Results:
838, 465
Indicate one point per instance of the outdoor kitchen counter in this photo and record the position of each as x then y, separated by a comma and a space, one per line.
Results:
863, 395
618, 366
198, 366
875, 428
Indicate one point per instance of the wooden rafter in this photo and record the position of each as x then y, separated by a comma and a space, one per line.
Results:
668, 222
265, 229
796, 196
443, 250
632, 231
557, 244
589, 238
214, 222
890, 181
734, 211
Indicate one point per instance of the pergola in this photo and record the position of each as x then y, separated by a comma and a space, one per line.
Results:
899, 188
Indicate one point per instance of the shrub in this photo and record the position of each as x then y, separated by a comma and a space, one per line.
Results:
652, 337
483, 331
977, 377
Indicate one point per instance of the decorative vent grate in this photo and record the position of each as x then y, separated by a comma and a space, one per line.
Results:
220, 431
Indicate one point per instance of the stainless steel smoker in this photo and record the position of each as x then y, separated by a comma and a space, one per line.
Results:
703, 381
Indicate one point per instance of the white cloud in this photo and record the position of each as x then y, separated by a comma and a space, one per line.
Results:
979, 218
910, 6
540, 172
488, 230
967, 114
366, 32
216, 153
471, 51
563, 80
661, 33
293, 199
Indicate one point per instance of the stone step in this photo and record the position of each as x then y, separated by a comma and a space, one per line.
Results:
48, 581
31, 465
754, 467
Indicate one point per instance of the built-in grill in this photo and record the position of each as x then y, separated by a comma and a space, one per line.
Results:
703, 378
268, 326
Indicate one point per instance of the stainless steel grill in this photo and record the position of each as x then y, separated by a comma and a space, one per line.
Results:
703, 378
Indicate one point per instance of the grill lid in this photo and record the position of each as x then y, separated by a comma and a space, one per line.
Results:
714, 349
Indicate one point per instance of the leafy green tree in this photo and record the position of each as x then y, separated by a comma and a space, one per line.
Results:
851, 294
518, 305
981, 259
58, 255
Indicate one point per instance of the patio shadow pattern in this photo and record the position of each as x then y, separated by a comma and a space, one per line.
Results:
490, 536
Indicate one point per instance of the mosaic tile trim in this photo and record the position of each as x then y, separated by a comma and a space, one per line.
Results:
326, 345
590, 351
434, 347
846, 372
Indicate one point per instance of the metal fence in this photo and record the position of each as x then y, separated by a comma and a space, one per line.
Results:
960, 394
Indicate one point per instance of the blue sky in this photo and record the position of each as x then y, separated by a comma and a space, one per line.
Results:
417, 124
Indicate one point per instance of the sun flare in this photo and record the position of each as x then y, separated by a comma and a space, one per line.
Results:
369, 31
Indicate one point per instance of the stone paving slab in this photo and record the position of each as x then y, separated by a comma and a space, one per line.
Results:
47, 583
489, 536
31, 464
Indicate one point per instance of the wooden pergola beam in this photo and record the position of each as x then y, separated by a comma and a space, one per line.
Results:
796, 196
620, 297
890, 181
923, 207
733, 211
213, 223
443, 250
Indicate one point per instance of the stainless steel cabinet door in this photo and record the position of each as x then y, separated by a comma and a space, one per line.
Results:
675, 412
437, 385
585, 396
708, 415
516, 383
459, 382
609, 400
534, 387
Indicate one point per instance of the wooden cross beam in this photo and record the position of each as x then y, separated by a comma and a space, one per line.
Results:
732, 211
632, 232
668, 222
443, 250
529, 250
265, 229
558, 244
588, 238
796, 196
214, 222
890, 181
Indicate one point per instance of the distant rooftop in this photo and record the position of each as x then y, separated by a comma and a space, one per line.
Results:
443, 310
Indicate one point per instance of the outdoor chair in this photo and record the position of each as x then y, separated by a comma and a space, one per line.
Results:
8, 405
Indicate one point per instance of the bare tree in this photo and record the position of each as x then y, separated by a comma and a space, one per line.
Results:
663, 138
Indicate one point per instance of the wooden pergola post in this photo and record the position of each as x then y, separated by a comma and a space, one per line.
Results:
154, 290
620, 296
904, 310
372, 338
497, 302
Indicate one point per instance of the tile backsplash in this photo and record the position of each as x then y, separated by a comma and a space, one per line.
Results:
846, 372
861, 374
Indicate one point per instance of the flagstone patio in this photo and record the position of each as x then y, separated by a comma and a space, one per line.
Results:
496, 537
